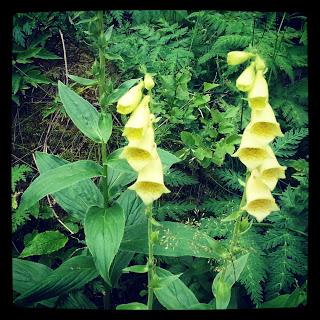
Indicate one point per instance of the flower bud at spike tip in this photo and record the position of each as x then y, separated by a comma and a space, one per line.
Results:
149, 185
245, 80
260, 202
130, 100
139, 120
237, 57
258, 96
263, 125
148, 82
251, 153
260, 64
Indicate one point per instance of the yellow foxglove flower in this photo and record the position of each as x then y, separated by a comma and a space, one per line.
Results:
259, 63
130, 100
263, 125
148, 82
237, 57
271, 171
258, 96
149, 185
260, 201
139, 120
246, 78
139, 152
251, 153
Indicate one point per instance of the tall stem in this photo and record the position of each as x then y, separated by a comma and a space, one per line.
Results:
150, 258
102, 81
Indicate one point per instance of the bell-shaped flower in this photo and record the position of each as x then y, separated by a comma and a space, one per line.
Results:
130, 100
139, 120
245, 80
259, 63
139, 152
271, 171
148, 81
237, 57
149, 185
251, 152
258, 96
260, 202
263, 125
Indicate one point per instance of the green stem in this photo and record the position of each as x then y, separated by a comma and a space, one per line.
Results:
275, 45
150, 258
102, 81
105, 173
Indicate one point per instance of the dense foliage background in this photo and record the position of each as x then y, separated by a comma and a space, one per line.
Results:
200, 115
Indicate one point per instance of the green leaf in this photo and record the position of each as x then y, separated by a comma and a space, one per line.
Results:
76, 300
201, 306
167, 158
221, 286
108, 33
27, 273
113, 56
114, 161
72, 274
57, 179
104, 231
26, 54
133, 207
208, 86
232, 216
75, 199
187, 138
132, 306
44, 243
81, 112
137, 269
120, 91
105, 126
46, 55
16, 80
175, 240
83, 81
176, 295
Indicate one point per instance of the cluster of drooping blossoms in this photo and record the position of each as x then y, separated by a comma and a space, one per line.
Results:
141, 151
254, 151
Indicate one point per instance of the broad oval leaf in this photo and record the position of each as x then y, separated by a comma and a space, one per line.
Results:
175, 240
175, 295
104, 228
137, 269
83, 81
105, 126
44, 243
57, 179
72, 274
27, 273
81, 112
77, 198
221, 287
132, 306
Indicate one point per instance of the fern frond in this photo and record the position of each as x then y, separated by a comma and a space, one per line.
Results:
229, 178
177, 178
221, 206
287, 146
18, 173
173, 210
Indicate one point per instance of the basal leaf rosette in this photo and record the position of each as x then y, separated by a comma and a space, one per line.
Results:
238, 57
258, 96
263, 125
251, 152
260, 202
130, 100
149, 185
